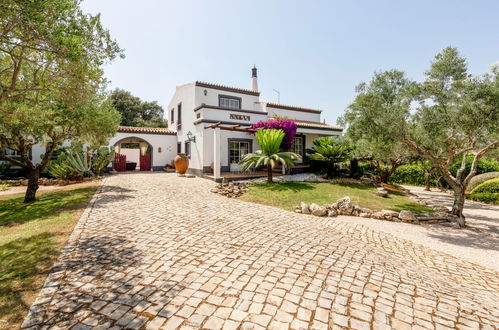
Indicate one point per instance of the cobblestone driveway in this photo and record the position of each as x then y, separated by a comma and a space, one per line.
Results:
158, 251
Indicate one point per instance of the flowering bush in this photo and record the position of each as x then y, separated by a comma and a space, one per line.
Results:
289, 128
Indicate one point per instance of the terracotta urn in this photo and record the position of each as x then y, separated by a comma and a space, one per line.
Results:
181, 163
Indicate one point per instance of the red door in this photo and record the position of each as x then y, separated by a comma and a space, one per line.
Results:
145, 162
119, 162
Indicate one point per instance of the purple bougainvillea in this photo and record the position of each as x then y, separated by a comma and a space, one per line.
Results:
289, 128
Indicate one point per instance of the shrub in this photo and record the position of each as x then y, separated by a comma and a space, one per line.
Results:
100, 158
327, 153
484, 165
4, 186
481, 178
485, 197
490, 186
72, 164
4, 167
412, 174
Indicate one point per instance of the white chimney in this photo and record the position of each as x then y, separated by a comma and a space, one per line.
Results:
254, 81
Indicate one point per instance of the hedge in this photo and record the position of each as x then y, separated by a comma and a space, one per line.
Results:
490, 186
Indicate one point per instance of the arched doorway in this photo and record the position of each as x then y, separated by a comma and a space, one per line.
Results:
133, 153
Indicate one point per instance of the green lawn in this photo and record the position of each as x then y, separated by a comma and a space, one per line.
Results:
288, 195
31, 237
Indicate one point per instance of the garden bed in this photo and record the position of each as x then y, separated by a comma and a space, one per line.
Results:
287, 195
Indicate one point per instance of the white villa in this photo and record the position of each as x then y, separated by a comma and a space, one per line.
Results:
211, 124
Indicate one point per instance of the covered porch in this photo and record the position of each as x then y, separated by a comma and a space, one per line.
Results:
229, 169
234, 176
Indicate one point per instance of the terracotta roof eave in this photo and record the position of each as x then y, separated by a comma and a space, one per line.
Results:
317, 125
146, 130
226, 88
290, 107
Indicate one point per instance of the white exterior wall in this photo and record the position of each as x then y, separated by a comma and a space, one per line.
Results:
224, 115
248, 102
185, 94
292, 114
167, 143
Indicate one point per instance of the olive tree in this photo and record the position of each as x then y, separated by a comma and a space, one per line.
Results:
51, 80
450, 115
367, 131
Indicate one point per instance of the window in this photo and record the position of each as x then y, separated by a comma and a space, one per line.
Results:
237, 149
172, 116
229, 102
179, 114
297, 146
179, 147
15, 153
12, 153
188, 148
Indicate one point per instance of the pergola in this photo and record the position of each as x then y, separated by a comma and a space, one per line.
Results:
216, 141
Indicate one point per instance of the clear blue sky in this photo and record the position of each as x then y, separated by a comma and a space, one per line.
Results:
313, 52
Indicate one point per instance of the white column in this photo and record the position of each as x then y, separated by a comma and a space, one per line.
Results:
216, 153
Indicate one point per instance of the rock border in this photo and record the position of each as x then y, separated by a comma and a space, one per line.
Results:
48, 181
344, 206
230, 189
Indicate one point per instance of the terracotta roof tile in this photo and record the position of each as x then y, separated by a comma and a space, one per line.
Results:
227, 88
147, 130
290, 107
313, 124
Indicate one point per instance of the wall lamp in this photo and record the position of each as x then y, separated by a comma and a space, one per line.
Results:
191, 137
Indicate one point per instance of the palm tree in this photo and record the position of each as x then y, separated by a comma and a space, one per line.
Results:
269, 154
329, 152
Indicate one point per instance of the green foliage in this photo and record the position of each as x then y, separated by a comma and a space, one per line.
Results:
4, 187
492, 198
101, 157
4, 167
288, 195
31, 236
135, 112
484, 165
269, 141
490, 186
412, 174
51, 82
75, 163
327, 153
386, 93
448, 115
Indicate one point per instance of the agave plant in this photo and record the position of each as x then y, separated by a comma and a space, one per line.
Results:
101, 158
79, 162
329, 152
269, 154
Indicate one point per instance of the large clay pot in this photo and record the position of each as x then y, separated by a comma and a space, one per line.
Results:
181, 163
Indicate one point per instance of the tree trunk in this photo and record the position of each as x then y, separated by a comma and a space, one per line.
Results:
457, 208
427, 175
33, 176
269, 174
354, 168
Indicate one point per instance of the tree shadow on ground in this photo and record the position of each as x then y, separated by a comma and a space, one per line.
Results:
110, 194
286, 186
482, 230
13, 211
20, 261
467, 237
110, 269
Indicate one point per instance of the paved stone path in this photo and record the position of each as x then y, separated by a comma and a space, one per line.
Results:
159, 251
